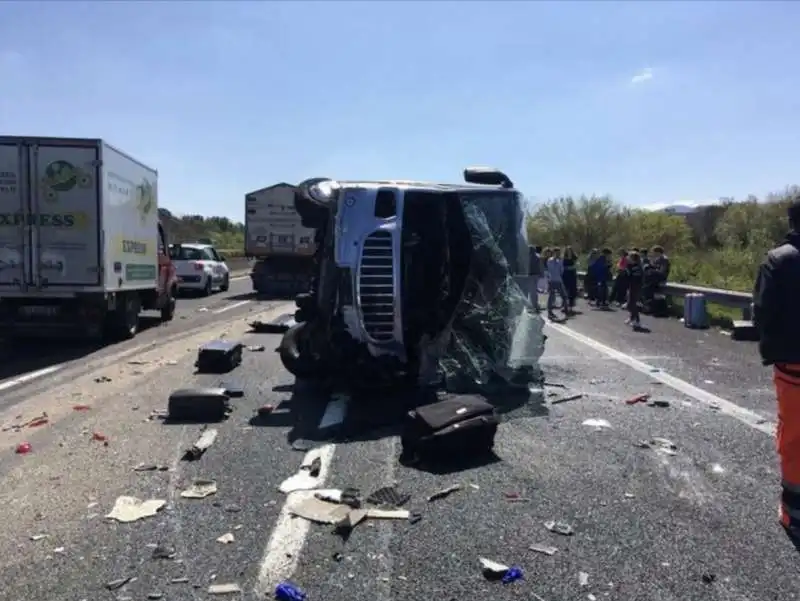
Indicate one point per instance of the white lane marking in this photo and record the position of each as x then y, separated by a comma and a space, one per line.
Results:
750, 418
335, 412
229, 307
30, 376
289, 535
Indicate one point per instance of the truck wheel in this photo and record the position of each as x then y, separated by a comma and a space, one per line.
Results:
123, 324
207, 288
168, 310
295, 359
226, 283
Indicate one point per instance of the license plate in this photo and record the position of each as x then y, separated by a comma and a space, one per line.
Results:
39, 310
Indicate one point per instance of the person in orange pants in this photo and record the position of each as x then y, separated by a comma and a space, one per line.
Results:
776, 313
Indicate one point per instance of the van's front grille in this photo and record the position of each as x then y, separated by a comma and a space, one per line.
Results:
376, 286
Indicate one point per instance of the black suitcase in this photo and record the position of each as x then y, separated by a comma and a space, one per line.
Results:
198, 405
219, 356
452, 429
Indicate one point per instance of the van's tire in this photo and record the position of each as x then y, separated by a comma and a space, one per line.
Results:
123, 323
297, 361
226, 283
207, 289
168, 310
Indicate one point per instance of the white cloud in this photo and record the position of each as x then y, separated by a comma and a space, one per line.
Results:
642, 76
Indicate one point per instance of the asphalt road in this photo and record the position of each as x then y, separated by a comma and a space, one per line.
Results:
696, 524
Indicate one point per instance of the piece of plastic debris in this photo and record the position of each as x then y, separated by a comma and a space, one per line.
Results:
200, 489
544, 549
388, 514
583, 579
100, 437
150, 467
59, 550
716, 468
224, 589
321, 512
81, 407
639, 398
155, 596
179, 580
117, 584
445, 492
286, 591
708, 578
664, 445
658, 404
630, 495
597, 423
566, 399
306, 477
130, 509
348, 496
23, 448
102, 379
555, 384
164, 552
38, 537
559, 527
388, 496
226, 539
258, 348
492, 569
202, 445
513, 574
40, 421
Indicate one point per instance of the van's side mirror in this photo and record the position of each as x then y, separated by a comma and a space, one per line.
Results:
222, 258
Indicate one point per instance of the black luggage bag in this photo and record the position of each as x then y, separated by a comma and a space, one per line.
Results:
219, 356
459, 428
198, 405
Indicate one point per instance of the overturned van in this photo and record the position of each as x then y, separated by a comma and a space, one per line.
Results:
416, 283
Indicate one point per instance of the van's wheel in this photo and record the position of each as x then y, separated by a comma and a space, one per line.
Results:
123, 323
226, 283
207, 288
168, 310
295, 355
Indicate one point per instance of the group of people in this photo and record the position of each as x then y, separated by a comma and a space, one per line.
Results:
631, 281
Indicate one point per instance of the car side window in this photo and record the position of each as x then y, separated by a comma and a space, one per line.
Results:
216, 255
209, 254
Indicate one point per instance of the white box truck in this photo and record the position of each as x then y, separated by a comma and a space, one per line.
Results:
82, 250
275, 237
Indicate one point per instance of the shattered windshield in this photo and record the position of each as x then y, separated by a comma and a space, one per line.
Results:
494, 341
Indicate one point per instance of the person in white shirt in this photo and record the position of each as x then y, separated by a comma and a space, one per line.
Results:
555, 283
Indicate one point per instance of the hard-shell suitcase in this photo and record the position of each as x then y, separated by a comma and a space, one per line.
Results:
455, 428
198, 405
219, 356
695, 311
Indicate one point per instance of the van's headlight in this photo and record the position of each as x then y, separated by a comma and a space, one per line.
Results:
320, 190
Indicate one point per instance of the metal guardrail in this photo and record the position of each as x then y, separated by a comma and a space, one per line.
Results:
726, 298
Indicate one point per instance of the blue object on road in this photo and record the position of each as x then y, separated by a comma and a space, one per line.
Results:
286, 591
695, 311
514, 573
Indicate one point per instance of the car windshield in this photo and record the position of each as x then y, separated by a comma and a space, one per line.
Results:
505, 218
187, 253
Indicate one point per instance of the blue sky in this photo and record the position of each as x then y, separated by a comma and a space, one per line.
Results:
650, 102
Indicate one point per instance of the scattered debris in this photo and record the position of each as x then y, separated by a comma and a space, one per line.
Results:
544, 549
348, 496
286, 591
301, 444
81, 407
268, 328
566, 399
305, 478
138, 362
716, 468
200, 489
155, 596
119, 583
388, 496
224, 589
23, 448
708, 578
708, 381
219, 356
388, 514
202, 445
130, 509
150, 467
515, 497
639, 398
258, 348
664, 445
658, 404
561, 528
39, 421
226, 539
320, 511
630, 495
179, 580
493, 570
583, 579
198, 405
555, 384
232, 389
38, 537
353, 518
102, 379
161, 551
597, 423
96, 436
446, 492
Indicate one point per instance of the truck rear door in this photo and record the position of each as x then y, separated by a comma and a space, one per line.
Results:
65, 234
14, 206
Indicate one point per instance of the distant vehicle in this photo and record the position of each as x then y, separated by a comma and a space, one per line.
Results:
200, 268
276, 237
82, 250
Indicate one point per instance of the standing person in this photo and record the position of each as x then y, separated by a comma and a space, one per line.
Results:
776, 313
634, 274
555, 283
536, 272
620, 287
571, 276
589, 283
602, 275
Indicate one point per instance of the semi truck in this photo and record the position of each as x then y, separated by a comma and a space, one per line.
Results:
276, 238
82, 250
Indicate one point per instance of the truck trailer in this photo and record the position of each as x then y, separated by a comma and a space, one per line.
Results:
275, 236
82, 250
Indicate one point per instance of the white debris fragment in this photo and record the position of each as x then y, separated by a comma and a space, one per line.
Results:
200, 489
226, 539
583, 579
597, 423
716, 468
38, 537
130, 509
224, 589
493, 567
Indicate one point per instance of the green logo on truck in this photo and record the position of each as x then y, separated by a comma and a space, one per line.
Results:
63, 176
145, 199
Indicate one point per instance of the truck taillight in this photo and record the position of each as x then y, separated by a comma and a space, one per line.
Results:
198, 267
